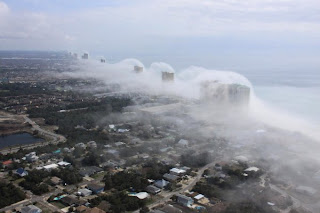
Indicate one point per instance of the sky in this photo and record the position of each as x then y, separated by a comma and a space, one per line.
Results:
222, 34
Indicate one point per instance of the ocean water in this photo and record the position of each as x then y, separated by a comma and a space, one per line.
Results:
289, 89
303, 102
294, 92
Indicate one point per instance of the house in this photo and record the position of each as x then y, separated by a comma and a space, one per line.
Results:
64, 164
21, 172
7, 163
67, 150
187, 169
112, 128
170, 209
50, 167
170, 177
140, 195
84, 192
31, 209
55, 181
144, 156
183, 143
198, 197
178, 172
112, 151
153, 189
105, 206
69, 200
81, 209
119, 143
96, 188
89, 170
156, 211
72, 200
45, 156
161, 183
31, 157
81, 145
92, 144
252, 169
123, 130
184, 200
94, 210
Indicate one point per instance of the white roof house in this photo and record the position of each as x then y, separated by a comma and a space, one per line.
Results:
64, 163
85, 192
252, 169
199, 197
183, 142
50, 166
177, 171
140, 195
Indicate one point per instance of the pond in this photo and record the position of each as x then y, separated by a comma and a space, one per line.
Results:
18, 139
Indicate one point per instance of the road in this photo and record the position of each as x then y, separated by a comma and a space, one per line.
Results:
34, 198
55, 138
188, 187
43, 198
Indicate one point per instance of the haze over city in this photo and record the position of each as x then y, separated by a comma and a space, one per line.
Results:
159, 106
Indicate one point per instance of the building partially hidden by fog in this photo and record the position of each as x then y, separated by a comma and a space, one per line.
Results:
75, 55
138, 69
102, 60
167, 76
221, 93
85, 56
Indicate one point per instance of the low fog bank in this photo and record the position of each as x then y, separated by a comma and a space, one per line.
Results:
187, 85
283, 146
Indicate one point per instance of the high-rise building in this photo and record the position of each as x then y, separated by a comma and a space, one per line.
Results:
138, 69
85, 56
167, 76
213, 91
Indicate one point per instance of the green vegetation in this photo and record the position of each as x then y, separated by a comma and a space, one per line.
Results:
125, 180
154, 170
17, 89
10, 194
206, 189
192, 160
120, 202
33, 182
68, 175
86, 118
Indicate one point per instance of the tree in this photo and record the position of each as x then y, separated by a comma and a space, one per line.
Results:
108, 182
144, 209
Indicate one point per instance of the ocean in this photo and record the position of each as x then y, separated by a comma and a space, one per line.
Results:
295, 92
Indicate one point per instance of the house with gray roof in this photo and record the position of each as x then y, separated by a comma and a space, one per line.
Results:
161, 183
31, 209
184, 200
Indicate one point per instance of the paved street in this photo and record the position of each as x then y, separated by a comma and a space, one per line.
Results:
188, 187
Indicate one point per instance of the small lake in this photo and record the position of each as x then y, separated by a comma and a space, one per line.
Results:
18, 139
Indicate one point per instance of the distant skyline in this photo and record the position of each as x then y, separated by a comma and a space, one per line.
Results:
225, 34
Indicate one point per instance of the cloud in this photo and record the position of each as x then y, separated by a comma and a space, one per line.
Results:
4, 9
139, 24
